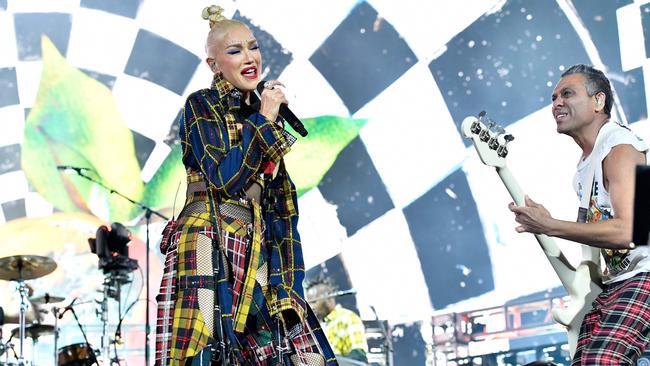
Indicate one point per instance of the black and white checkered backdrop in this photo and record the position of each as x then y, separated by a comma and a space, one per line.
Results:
406, 215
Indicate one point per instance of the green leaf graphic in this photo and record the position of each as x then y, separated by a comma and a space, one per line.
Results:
312, 156
75, 121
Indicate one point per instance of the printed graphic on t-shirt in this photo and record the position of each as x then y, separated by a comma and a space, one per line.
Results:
616, 259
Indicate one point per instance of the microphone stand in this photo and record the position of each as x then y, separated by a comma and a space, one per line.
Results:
147, 214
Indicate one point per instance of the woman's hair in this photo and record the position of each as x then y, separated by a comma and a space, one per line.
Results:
219, 24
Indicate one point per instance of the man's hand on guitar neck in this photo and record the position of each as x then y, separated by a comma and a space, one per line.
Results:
533, 217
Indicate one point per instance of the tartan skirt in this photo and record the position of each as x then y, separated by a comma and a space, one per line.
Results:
185, 323
616, 331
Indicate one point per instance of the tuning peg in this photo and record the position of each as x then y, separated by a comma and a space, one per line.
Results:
485, 135
476, 128
502, 150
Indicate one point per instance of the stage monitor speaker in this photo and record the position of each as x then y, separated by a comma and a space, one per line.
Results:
641, 227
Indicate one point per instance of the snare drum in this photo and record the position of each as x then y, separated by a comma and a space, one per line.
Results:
77, 354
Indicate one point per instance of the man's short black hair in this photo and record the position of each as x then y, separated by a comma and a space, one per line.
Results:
320, 279
595, 82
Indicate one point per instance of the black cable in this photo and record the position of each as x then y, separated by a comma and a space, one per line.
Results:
126, 298
116, 359
122, 316
90, 348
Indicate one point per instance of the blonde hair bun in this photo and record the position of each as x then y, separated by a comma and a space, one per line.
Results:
213, 14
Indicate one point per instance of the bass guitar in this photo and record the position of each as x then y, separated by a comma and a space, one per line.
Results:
582, 283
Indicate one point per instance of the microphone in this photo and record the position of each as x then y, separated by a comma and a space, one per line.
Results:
69, 307
69, 168
286, 113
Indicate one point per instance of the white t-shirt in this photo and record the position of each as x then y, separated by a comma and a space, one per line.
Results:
623, 263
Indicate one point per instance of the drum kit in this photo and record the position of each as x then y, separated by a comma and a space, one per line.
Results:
21, 268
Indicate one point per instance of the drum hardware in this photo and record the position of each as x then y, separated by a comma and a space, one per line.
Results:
25, 267
46, 299
5, 347
55, 312
34, 331
76, 354
20, 268
92, 358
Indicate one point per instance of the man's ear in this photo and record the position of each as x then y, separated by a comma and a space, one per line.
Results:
600, 100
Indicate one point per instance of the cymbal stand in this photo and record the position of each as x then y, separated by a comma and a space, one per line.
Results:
55, 312
3, 346
7, 347
22, 289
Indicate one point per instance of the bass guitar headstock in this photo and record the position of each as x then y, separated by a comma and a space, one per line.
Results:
490, 139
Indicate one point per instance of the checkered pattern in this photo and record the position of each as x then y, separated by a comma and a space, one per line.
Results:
616, 330
424, 195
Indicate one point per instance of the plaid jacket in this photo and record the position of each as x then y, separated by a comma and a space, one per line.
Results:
212, 145
229, 159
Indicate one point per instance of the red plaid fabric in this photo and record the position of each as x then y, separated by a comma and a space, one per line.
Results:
236, 252
616, 331
166, 299
167, 235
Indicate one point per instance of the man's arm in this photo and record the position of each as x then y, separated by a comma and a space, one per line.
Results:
616, 233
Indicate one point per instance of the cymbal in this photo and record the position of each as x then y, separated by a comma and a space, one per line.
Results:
34, 331
25, 267
46, 299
